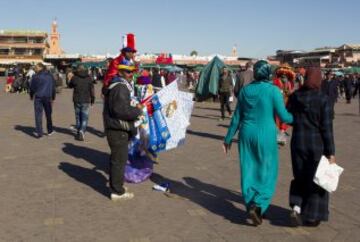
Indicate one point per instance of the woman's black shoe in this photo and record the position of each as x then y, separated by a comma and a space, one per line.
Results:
314, 223
295, 219
255, 215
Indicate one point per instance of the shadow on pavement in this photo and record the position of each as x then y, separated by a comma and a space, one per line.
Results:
95, 132
348, 114
89, 177
278, 216
219, 200
213, 198
205, 135
224, 125
99, 159
92, 177
63, 131
92, 130
206, 108
206, 117
208, 135
26, 130
30, 130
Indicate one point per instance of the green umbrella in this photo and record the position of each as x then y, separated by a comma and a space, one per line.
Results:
173, 68
197, 68
209, 78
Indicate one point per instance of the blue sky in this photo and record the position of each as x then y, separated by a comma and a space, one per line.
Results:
258, 28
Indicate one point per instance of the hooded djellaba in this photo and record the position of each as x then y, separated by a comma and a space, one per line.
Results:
258, 150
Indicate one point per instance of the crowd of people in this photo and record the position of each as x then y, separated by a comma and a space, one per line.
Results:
341, 86
304, 99
337, 86
18, 77
124, 84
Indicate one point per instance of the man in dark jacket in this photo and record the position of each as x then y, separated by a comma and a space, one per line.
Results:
43, 92
83, 97
225, 89
244, 78
348, 84
156, 79
329, 87
119, 117
356, 86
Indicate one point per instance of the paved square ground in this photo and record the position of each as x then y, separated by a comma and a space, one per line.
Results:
55, 189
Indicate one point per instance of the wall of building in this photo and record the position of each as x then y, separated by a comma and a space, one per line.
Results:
22, 47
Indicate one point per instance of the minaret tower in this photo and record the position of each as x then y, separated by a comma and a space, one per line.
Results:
234, 52
54, 40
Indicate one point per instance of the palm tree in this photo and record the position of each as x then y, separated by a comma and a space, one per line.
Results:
194, 53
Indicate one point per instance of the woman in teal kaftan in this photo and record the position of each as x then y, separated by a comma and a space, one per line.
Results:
258, 103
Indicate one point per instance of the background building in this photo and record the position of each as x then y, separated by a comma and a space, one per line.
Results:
22, 46
349, 53
319, 57
343, 56
288, 56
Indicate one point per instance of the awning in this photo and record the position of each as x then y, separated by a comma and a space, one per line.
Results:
323, 57
63, 56
19, 61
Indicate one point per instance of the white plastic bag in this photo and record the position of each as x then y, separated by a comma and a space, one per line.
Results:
231, 99
327, 175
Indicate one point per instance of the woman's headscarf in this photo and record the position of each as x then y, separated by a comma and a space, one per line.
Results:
313, 78
262, 71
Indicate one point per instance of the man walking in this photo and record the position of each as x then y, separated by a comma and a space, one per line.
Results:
225, 89
119, 117
348, 84
329, 87
244, 78
83, 97
42, 91
356, 85
357, 88
156, 79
